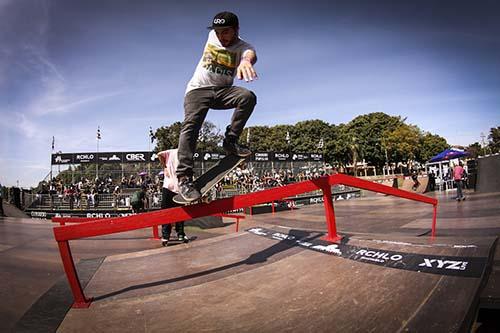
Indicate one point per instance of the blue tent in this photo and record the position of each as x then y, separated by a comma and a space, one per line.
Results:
449, 154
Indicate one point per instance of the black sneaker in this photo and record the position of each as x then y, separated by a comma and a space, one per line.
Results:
187, 190
233, 148
183, 238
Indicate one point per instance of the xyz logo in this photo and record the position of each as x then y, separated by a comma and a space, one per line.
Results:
444, 264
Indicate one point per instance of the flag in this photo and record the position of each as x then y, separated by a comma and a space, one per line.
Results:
98, 133
151, 134
53, 142
321, 143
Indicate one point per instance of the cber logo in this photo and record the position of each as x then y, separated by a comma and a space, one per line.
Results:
135, 157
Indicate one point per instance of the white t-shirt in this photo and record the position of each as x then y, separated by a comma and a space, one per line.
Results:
217, 66
171, 161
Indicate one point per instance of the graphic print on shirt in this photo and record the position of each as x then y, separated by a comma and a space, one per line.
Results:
218, 60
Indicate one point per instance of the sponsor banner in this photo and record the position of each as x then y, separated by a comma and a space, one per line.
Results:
261, 157
210, 156
300, 157
62, 159
80, 158
137, 157
146, 156
316, 157
198, 156
110, 157
281, 156
35, 214
442, 265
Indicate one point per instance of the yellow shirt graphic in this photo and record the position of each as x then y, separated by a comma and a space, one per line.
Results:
217, 66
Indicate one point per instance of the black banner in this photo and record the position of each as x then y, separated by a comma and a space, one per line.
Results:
281, 156
300, 157
137, 157
146, 156
209, 156
85, 158
316, 157
62, 159
110, 157
261, 157
442, 265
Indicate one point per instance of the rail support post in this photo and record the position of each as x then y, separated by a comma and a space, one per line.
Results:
156, 236
434, 218
330, 214
80, 301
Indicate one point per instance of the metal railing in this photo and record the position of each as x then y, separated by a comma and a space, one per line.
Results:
64, 234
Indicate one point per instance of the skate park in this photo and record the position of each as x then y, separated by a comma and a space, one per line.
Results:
364, 194
384, 271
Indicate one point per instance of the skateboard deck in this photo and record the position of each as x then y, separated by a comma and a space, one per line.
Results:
211, 177
174, 241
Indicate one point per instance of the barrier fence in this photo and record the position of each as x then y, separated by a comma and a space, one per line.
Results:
63, 234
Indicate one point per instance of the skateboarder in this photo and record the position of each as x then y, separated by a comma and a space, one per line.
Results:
169, 162
211, 87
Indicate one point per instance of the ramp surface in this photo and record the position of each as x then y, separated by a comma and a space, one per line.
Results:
252, 283
422, 187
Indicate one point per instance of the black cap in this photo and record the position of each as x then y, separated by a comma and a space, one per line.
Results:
224, 20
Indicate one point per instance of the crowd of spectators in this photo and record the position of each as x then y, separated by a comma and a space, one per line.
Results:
250, 180
87, 193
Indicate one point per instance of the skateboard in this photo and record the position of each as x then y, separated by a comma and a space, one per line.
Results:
174, 241
209, 179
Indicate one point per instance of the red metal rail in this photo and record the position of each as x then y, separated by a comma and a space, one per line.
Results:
63, 234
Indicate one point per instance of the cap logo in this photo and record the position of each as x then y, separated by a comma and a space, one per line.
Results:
219, 21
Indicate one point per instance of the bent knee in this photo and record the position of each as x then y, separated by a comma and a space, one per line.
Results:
248, 97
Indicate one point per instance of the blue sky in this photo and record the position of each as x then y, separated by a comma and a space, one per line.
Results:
67, 67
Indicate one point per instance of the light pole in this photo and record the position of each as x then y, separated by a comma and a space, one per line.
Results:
98, 137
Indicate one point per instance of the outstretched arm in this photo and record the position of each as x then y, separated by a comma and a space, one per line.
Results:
245, 70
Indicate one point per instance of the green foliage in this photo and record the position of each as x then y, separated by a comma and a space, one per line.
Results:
403, 143
168, 136
431, 145
376, 137
209, 138
475, 150
494, 140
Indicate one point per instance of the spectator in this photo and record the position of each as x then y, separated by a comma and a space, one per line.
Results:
138, 200
432, 181
169, 161
458, 173
414, 177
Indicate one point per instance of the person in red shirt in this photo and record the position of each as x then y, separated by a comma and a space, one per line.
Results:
458, 173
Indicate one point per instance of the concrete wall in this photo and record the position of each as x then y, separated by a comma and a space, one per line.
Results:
488, 174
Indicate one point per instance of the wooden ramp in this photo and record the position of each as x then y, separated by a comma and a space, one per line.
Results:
274, 279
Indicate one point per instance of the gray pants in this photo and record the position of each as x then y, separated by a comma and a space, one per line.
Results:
196, 105
459, 189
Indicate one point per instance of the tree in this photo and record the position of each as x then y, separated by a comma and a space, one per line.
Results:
209, 137
307, 134
402, 143
167, 137
494, 140
369, 131
431, 145
259, 138
475, 150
